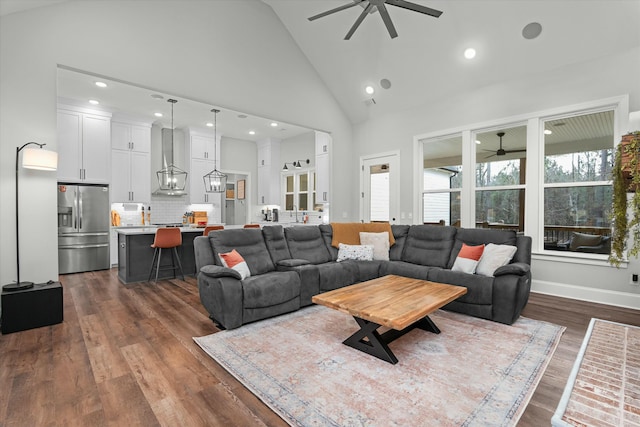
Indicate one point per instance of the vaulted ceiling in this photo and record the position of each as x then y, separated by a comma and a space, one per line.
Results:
425, 62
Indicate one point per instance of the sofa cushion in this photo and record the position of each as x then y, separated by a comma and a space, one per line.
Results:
479, 288
276, 242
467, 259
494, 257
249, 243
355, 252
234, 261
367, 270
270, 289
479, 236
401, 268
380, 243
429, 245
306, 242
400, 233
334, 275
327, 235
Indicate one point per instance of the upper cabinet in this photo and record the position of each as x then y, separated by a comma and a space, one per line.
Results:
130, 162
323, 166
201, 155
269, 171
84, 145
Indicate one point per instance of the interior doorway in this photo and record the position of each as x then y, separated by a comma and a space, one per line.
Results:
235, 199
380, 188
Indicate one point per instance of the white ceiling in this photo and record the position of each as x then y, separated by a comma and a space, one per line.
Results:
425, 62
134, 102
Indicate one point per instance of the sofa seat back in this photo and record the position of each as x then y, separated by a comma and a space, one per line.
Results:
249, 243
306, 242
276, 243
429, 245
480, 236
400, 233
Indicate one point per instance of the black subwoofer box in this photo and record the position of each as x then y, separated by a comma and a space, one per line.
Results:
31, 308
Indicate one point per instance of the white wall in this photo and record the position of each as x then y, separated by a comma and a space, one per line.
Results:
583, 82
300, 147
235, 54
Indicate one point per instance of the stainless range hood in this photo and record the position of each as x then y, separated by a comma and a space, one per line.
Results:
171, 179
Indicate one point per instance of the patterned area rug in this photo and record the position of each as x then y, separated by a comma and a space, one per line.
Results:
475, 373
604, 386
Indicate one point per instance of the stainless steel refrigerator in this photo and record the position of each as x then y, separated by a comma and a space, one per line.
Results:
83, 228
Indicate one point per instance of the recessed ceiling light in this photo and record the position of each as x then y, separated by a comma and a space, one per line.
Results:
470, 53
101, 84
369, 90
157, 114
531, 31
547, 132
252, 132
93, 102
156, 96
209, 124
478, 141
274, 124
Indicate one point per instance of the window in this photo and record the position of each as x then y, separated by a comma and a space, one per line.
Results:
577, 192
442, 180
500, 178
299, 191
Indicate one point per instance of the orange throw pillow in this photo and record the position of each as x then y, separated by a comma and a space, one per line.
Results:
468, 258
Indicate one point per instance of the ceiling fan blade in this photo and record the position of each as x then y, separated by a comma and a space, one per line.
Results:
515, 151
337, 9
387, 21
358, 21
415, 7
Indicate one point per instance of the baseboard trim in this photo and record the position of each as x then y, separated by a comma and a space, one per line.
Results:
601, 296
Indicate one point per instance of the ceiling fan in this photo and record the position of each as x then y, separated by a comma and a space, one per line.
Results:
501, 151
384, 14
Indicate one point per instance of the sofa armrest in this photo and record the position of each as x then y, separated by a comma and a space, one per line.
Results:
216, 271
294, 262
517, 268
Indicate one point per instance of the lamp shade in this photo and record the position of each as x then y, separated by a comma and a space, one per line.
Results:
37, 158
215, 182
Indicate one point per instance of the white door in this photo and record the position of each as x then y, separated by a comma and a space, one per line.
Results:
380, 188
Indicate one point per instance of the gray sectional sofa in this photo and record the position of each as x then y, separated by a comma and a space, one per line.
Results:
290, 265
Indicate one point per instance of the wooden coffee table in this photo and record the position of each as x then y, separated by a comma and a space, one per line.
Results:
399, 303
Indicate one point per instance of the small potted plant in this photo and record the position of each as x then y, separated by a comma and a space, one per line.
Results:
626, 178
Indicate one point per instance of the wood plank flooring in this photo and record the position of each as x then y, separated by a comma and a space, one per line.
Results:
124, 356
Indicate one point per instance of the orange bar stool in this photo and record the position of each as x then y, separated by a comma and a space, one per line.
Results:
252, 226
166, 238
212, 228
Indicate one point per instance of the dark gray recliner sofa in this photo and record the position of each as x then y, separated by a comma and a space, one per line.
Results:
290, 265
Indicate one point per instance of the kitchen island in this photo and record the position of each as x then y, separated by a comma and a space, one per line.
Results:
135, 254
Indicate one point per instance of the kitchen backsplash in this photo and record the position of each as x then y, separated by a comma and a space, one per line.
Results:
163, 211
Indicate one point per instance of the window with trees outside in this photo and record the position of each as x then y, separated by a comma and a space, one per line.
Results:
578, 158
442, 180
500, 178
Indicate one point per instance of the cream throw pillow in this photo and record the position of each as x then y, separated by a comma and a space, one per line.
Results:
494, 257
380, 243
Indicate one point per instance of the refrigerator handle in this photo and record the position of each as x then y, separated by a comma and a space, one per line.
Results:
75, 209
80, 210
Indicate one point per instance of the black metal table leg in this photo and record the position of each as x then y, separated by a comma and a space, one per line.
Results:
368, 340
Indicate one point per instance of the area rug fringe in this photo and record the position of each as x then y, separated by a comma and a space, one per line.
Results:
475, 373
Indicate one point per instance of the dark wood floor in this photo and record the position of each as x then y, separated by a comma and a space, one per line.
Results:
124, 355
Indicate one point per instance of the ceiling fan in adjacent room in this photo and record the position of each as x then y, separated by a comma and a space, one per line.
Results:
501, 151
370, 6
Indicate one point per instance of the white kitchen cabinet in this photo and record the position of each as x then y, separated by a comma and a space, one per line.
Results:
129, 136
113, 246
131, 163
323, 166
269, 172
84, 144
200, 153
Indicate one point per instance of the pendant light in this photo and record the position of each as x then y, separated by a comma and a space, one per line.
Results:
215, 181
172, 179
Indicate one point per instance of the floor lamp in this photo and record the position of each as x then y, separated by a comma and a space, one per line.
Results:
32, 158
